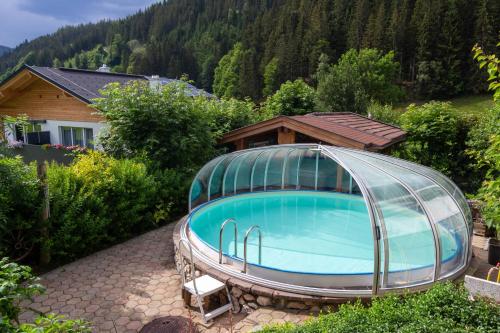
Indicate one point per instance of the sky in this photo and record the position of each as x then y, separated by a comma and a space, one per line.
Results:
28, 19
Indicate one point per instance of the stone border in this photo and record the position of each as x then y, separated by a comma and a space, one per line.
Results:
247, 296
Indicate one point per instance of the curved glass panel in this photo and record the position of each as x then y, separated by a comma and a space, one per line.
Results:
327, 174
217, 177
442, 180
199, 188
307, 170
244, 173
442, 209
274, 175
258, 176
228, 180
409, 256
290, 174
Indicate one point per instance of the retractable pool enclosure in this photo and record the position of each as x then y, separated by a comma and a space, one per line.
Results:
330, 220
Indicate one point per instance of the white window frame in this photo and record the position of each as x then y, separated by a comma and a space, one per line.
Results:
84, 130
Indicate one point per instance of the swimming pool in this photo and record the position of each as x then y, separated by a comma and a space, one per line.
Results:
331, 220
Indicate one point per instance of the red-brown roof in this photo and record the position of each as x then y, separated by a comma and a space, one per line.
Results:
355, 127
344, 127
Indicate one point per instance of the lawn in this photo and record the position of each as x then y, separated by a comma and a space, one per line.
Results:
472, 104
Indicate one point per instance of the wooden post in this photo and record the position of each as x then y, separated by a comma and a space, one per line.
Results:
240, 144
44, 232
285, 136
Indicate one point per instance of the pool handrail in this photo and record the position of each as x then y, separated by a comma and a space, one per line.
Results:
227, 221
252, 228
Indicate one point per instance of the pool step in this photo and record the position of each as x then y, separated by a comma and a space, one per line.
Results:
211, 315
201, 286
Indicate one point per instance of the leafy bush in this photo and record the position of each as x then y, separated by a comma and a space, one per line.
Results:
20, 203
98, 201
172, 187
489, 193
292, 98
18, 284
358, 77
228, 114
436, 138
492, 64
478, 141
55, 324
444, 308
384, 113
164, 125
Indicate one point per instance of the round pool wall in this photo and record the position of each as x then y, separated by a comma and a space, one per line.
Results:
329, 218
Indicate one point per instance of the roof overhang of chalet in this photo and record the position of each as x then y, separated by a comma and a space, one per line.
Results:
81, 84
336, 128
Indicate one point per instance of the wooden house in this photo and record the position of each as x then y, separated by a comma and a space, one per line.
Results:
57, 102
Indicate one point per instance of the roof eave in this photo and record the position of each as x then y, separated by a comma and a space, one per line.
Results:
60, 86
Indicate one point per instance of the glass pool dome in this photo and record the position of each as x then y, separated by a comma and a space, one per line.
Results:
332, 218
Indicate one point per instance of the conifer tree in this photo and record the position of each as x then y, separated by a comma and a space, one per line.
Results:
271, 82
358, 20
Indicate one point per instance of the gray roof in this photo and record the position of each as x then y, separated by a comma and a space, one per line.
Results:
85, 84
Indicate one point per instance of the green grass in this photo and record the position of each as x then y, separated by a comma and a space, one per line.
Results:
472, 104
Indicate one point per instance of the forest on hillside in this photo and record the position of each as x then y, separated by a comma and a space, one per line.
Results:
431, 40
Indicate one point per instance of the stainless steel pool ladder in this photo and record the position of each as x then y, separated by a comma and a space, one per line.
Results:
249, 231
202, 286
226, 222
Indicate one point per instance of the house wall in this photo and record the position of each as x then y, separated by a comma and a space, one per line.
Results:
53, 127
41, 100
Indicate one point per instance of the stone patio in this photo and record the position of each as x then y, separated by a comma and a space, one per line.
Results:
122, 288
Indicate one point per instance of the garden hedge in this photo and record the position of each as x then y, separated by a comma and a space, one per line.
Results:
444, 308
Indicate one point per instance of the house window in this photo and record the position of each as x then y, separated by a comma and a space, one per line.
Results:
21, 131
77, 136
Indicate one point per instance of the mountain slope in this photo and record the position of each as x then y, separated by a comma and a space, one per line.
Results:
4, 49
430, 37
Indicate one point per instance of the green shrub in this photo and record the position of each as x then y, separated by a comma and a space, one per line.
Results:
489, 193
228, 114
444, 308
17, 284
478, 141
436, 137
20, 202
55, 324
163, 125
98, 201
172, 187
357, 78
292, 98
384, 113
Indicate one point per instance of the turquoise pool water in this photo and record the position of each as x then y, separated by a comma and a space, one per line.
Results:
318, 232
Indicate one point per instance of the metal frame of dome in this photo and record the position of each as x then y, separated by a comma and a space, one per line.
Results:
415, 179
